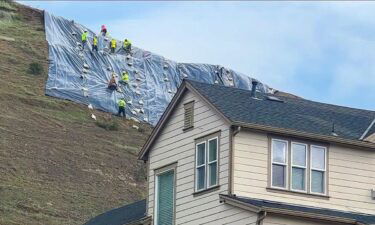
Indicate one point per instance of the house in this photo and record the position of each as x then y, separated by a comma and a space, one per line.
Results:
221, 155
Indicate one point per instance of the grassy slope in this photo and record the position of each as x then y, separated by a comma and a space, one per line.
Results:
56, 165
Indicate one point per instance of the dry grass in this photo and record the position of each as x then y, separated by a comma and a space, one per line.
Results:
56, 165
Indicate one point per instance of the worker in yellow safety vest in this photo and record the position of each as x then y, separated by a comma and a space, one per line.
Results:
95, 44
121, 107
125, 77
113, 45
127, 46
84, 39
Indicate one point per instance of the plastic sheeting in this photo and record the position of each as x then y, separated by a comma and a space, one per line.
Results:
82, 76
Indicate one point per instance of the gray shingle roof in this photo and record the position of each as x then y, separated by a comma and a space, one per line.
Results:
121, 216
295, 114
363, 218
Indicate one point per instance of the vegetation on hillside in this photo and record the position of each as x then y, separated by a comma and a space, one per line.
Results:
57, 165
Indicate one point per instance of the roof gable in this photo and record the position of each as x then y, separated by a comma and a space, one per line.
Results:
291, 116
185, 86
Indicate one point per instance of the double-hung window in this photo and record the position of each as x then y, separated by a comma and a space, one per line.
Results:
279, 163
318, 169
298, 166
206, 163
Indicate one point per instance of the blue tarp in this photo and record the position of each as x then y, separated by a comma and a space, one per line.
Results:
153, 79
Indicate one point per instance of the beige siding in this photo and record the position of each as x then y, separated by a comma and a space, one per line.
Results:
174, 145
272, 219
351, 175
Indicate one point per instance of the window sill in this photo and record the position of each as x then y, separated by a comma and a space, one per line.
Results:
208, 190
187, 129
284, 191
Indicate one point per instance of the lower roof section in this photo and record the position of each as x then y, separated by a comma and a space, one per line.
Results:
128, 214
259, 205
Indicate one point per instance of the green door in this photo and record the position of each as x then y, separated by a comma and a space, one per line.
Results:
165, 198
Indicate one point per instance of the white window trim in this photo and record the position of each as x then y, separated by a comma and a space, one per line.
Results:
298, 166
324, 170
308, 170
156, 206
208, 162
282, 164
204, 164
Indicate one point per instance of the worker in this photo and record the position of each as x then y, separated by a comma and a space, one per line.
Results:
127, 46
84, 39
112, 85
103, 30
121, 107
95, 44
125, 77
113, 45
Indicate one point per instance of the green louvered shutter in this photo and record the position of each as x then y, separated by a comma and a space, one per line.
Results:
165, 198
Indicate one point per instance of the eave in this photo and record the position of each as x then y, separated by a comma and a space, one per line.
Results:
317, 137
257, 209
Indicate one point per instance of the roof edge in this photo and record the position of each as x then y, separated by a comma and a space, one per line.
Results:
319, 137
310, 215
367, 130
191, 87
142, 154
145, 220
238, 203
163, 119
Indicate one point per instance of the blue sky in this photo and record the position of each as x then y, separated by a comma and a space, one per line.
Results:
323, 51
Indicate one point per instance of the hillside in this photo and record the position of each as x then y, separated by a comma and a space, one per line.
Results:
57, 165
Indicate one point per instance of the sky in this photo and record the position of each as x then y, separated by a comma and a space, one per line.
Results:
322, 51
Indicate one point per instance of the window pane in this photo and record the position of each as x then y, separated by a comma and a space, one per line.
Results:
279, 151
317, 181
201, 154
298, 179
278, 176
299, 154
200, 177
318, 157
213, 173
212, 150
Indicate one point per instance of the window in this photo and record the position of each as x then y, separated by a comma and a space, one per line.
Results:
299, 164
165, 196
212, 162
299, 167
206, 163
189, 115
201, 166
318, 169
279, 163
